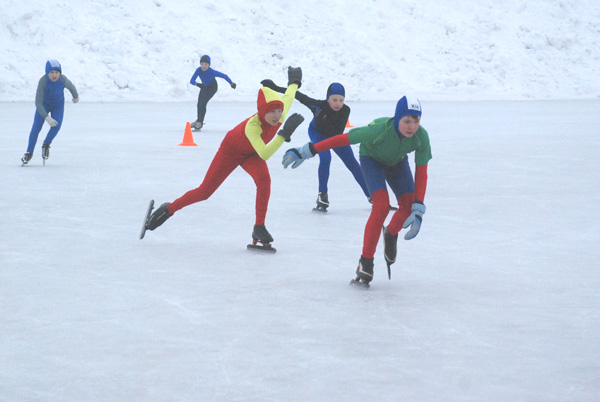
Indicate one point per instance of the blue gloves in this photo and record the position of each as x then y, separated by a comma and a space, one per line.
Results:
295, 156
414, 220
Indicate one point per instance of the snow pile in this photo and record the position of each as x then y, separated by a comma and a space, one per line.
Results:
147, 50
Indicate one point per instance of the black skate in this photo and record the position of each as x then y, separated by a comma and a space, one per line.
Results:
364, 273
392, 208
322, 203
26, 158
261, 240
45, 153
156, 219
197, 125
389, 249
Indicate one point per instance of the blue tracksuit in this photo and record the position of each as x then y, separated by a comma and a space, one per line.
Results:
49, 100
208, 78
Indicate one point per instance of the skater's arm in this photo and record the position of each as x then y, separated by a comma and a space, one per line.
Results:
69, 85
420, 182
39, 97
195, 76
253, 133
222, 75
333, 142
288, 98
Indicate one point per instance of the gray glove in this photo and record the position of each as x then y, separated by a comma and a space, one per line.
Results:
414, 220
51, 121
75, 100
295, 156
290, 125
294, 76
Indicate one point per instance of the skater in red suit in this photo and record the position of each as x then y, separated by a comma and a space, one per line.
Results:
248, 145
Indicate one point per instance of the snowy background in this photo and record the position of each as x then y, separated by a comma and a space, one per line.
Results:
441, 50
495, 300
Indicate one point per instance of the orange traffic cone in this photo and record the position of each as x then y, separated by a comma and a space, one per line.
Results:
348, 125
188, 138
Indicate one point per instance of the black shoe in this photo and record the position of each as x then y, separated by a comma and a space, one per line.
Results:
364, 271
26, 158
158, 217
389, 242
45, 151
322, 201
197, 125
261, 234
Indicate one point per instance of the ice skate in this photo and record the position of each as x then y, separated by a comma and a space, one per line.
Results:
322, 203
158, 217
364, 273
26, 158
45, 152
197, 125
390, 249
261, 239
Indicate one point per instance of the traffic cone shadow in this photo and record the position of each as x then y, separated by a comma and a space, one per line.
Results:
188, 138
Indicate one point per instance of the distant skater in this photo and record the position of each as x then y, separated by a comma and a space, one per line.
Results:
330, 119
208, 87
50, 107
384, 147
248, 145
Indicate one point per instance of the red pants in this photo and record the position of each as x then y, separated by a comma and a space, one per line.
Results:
225, 162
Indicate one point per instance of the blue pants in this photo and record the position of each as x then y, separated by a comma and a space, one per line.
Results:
399, 176
346, 155
204, 96
56, 112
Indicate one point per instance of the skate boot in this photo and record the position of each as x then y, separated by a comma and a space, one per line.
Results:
261, 239
322, 202
389, 249
197, 125
364, 273
45, 151
158, 217
26, 158
389, 242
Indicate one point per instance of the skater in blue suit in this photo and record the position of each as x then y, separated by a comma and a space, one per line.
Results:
330, 119
208, 87
50, 107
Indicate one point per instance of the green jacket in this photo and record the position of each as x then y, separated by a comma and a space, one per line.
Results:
380, 141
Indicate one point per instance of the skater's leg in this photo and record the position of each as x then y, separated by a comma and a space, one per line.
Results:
57, 114
258, 170
401, 181
220, 168
347, 156
374, 173
203, 97
38, 123
324, 158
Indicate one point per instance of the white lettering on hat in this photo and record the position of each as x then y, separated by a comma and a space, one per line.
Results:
413, 103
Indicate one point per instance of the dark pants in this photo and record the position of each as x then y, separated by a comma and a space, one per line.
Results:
204, 96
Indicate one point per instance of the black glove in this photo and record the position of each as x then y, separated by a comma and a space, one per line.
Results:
290, 125
233, 85
200, 85
294, 76
270, 84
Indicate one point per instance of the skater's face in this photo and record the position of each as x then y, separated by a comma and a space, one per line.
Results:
336, 102
54, 75
409, 125
204, 66
273, 116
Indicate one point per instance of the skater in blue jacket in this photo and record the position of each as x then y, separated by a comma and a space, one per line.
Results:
50, 107
208, 87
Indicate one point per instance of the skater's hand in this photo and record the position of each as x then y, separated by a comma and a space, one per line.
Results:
51, 121
294, 76
233, 85
290, 125
75, 100
295, 156
200, 85
414, 220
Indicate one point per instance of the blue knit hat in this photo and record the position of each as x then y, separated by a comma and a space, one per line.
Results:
406, 106
53, 65
205, 59
336, 89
